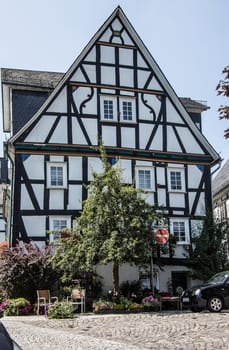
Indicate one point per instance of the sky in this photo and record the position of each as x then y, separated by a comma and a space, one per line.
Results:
187, 38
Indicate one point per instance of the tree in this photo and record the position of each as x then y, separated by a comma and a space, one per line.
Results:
209, 254
223, 89
115, 226
24, 269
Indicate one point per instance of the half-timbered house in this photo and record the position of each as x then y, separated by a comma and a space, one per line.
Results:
116, 92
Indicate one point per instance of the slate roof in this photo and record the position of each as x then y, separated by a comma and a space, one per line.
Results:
221, 180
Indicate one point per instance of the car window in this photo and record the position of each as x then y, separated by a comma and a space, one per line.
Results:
218, 278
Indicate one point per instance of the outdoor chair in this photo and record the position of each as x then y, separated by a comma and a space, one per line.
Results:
77, 297
44, 298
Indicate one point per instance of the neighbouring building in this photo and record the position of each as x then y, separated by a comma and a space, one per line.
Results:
221, 195
116, 92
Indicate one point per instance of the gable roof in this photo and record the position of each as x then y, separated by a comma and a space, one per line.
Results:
142, 48
221, 180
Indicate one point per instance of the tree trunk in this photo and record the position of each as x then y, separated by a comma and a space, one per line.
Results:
115, 279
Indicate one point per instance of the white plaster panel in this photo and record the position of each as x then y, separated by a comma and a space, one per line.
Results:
144, 134
194, 176
201, 210
94, 165
75, 168
154, 85
91, 56
189, 142
142, 78
109, 135
41, 129
196, 227
56, 158
116, 24
39, 193
126, 56
145, 112
91, 72
128, 137
107, 54
75, 197
176, 200
56, 199
77, 133
160, 176
126, 38
106, 35
161, 194
156, 143
59, 104
172, 115
78, 76
82, 94
34, 167
125, 165
35, 225
143, 163
141, 61
91, 126
172, 142
60, 133
25, 199
108, 75
126, 77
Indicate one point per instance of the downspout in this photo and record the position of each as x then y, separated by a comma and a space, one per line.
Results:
10, 219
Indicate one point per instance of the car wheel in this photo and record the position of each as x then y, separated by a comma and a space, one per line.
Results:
196, 309
215, 304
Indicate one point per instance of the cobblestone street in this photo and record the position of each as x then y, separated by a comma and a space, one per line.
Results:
161, 331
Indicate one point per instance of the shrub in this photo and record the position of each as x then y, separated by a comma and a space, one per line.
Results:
61, 310
24, 269
13, 307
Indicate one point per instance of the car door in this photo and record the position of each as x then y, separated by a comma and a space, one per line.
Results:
224, 291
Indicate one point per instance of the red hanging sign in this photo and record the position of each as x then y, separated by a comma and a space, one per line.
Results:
161, 235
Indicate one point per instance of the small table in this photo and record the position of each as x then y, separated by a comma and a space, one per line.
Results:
175, 300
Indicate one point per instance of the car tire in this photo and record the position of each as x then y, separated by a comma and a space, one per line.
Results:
215, 304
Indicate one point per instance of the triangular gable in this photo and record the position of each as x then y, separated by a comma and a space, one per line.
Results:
114, 33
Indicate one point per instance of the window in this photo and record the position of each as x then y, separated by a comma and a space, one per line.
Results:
108, 109
56, 175
127, 110
180, 229
144, 178
116, 107
58, 224
176, 180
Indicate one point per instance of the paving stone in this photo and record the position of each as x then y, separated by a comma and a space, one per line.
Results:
160, 331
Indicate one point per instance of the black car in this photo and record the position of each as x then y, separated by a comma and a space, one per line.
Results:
212, 295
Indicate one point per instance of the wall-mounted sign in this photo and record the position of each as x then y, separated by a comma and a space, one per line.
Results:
161, 235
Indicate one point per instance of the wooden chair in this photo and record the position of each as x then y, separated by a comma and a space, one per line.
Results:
77, 297
44, 298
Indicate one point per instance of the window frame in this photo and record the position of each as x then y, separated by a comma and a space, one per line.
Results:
56, 235
131, 100
112, 99
186, 229
152, 177
176, 170
62, 165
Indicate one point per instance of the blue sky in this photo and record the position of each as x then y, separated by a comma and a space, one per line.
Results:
187, 38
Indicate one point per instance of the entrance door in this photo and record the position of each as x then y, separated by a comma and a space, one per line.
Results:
179, 279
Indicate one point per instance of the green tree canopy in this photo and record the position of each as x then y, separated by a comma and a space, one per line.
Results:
223, 90
115, 225
210, 252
